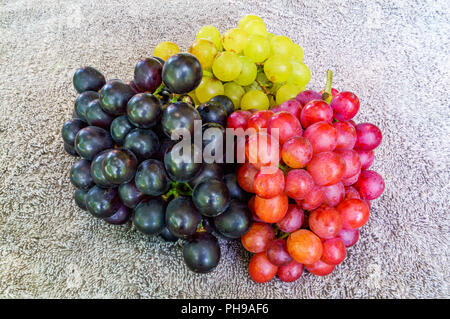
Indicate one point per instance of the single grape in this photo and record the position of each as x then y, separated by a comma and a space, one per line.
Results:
211, 197
277, 252
235, 40
96, 171
271, 210
282, 45
80, 176
370, 185
238, 119
255, 27
142, 142
151, 178
82, 102
284, 125
120, 217
293, 219
225, 101
368, 136
212, 112
202, 253
235, 221
88, 79
102, 202
297, 152
349, 236
208, 88
300, 74
91, 140
287, 91
130, 195
333, 251
114, 96
144, 110
277, 68
304, 246
182, 167
257, 49
182, 218
345, 105
70, 130
290, 272
254, 99
119, 129
80, 198
227, 66
149, 216
366, 158
316, 111
165, 50
246, 19
261, 270
179, 116
119, 166
234, 92
258, 237
182, 73
298, 184
210, 33
307, 96
354, 213
96, 116
262, 150
322, 136
319, 268
147, 75
248, 71
260, 119
325, 222
333, 194
268, 185
292, 106
296, 53
313, 199
346, 135
326, 168
205, 51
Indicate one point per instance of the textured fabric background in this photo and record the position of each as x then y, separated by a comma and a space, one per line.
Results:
393, 54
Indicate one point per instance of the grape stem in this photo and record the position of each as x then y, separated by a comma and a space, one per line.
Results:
327, 94
263, 87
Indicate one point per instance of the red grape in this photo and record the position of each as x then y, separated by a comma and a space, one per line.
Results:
326, 168
322, 136
258, 237
290, 272
262, 149
298, 183
246, 176
271, 210
308, 95
292, 106
313, 199
351, 192
352, 162
368, 136
316, 111
297, 152
277, 252
267, 185
320, 268
345, 105
304, 246
260, 119
333, 194
286, 124
333, 251
293, 219
238, 119
325, 222
366, 158
261, 270
370, 185
351, 180
346, 135
349, 236
353, 212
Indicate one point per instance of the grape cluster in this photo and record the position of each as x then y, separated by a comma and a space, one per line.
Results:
309, 208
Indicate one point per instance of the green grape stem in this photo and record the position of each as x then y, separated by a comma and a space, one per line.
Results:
327, 94
263, 87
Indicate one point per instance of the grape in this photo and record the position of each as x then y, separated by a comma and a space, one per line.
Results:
292, 106
144, 110
296, 53
277, 252
286, 92
293, 219
370, 185
325, 222
277, 68
205, 51
254, 99
262, 150
257, 49
313, 199
227, 66
149, 216
179, 170
212, 170
202, 253
248, 71
261, 269
82, 102
349, 236
352, 162
351, 180
307, 96
182, 73
132, 84
91, 140
130, 195
151, 178
258, 237
345, 105
304, 246
271, 210
298, 184
333, 194
346, 137
182, 218
212, 34
235, 221
366, 158
247, 19
322, 136
142, 142
80, 198
333, 251
297, 152
95, 115
70, 130
165, 50
96, 171
234, 40
281, 44
147, 75
120, 217
255, 27
212, 112
119, 129
351, 192
290, 272
234, 92
119, 166
178, 116
300, 74
354, 213
268, 185
225, 101
368, 137
319, 268
80, 175
208, 88
102, 202
88, 79
236, 192
326, 168
316, 111
167, 235
259, 120
211, 197
284, 125
114, 96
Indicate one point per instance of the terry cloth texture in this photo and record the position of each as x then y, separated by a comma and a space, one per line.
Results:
393, 54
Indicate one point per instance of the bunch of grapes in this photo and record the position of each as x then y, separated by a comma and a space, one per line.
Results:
309, 208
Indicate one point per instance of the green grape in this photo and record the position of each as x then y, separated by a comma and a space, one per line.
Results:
281, 44
257, 49
165, 50
247, 19
255, 27
255, 99
278, 68
297, 53
210, 33
235, 92
205, 51
235, 40
194, 97
227, 66
208, 74
287, 92
248, 71
300, 75
208, 88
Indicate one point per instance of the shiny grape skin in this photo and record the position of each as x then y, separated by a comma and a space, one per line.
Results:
213, 170
80, 198
213, 112
95, 115
70, 130
119, 166
182, 218
211, 197
178, 170
225, 101
142, 142
120, 217
88, 79
147, 74
91, 140
149, 216
82, 102
178, 116
70, 150
80, 175
101, 202
119, 129
96, 171
236, 192
182, 73
151, 178
144, 110
202, 253
114, 97
235, 221
277, 252
167, 235
214, 137
130, 195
